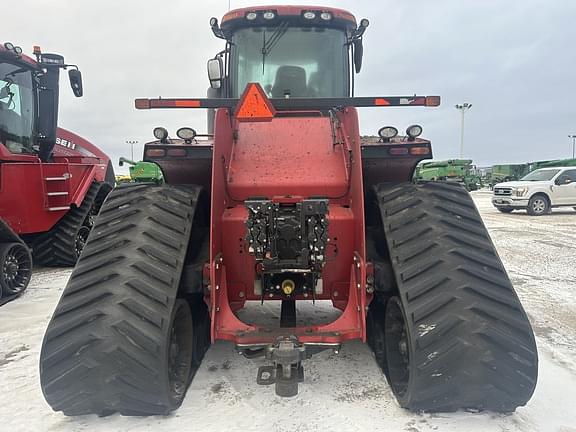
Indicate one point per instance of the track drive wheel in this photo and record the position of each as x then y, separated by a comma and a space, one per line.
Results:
456, 335
122, 339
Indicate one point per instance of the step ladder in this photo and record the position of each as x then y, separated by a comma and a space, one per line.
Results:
54, 197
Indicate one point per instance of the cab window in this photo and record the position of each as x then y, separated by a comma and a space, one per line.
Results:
16, 109
291, 61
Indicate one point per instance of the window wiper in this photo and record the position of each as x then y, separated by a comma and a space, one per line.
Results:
267, 45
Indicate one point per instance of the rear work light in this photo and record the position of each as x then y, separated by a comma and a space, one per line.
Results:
398, 151
155, 152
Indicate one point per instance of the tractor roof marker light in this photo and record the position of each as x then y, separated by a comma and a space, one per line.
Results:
9, 46
309, 15
269, 15
251, 16
326, 16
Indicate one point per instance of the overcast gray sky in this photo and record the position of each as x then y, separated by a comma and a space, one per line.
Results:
514, 60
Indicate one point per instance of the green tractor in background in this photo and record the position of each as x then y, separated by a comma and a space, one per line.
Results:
551, 164
507, 172
457, 170
141, 172
513, 172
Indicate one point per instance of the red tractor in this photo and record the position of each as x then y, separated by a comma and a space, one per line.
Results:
52, 181
284, 201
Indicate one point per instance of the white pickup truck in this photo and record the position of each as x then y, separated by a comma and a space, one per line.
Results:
538, 192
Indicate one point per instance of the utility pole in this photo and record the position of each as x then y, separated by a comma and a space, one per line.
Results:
132, 143
573, 136
463, 108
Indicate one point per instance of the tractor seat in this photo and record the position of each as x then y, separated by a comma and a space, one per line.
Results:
290, 81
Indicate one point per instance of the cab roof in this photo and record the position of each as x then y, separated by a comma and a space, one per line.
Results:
236, 18
22, 59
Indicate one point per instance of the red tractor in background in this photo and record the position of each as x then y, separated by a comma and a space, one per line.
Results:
52, 182
283, 200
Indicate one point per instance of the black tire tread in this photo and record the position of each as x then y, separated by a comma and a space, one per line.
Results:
101, 351
472, 340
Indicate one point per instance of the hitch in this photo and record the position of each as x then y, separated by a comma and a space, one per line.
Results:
287, 371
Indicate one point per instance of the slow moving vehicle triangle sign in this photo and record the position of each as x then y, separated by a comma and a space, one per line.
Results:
254, 105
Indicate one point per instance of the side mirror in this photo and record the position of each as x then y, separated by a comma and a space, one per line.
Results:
215, 72
76, 82
358, 53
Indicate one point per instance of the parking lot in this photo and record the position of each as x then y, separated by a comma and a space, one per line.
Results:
344, 392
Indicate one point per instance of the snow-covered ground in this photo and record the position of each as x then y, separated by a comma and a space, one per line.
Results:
345, 392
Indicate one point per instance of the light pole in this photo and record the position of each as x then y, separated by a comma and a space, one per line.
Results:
463, 108
132, 143
573, 136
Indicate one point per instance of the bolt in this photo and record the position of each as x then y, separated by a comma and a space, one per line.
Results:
217, 287
336, 352
217, 309
241, 294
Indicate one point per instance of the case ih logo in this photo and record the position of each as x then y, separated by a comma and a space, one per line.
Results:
66, 143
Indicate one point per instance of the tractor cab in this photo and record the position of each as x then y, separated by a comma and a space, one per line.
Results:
290, 51
29, 101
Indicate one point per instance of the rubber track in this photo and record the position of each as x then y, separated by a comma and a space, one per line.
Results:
473, 344
57, 246
101, 351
